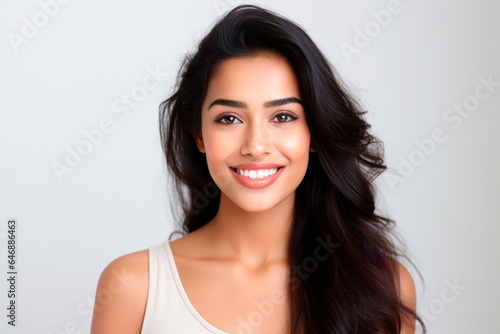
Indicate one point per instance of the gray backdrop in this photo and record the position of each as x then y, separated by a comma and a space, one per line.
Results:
82, 170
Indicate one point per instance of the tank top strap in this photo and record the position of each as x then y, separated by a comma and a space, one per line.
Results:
168, 309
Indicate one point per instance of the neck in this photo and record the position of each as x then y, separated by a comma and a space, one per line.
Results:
254, 238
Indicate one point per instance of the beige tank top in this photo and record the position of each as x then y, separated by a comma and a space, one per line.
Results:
168, 309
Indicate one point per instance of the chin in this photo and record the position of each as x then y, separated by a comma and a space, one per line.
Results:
257, 203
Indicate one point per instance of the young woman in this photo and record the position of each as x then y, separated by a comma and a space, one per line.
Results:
273, 165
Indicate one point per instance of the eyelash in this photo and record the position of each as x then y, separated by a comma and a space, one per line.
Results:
226, 115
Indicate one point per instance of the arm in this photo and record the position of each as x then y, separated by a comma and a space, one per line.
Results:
121, 295
406, 290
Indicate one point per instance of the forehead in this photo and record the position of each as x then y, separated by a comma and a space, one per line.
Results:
261, 77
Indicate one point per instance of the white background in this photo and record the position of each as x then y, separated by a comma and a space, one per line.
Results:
66, 77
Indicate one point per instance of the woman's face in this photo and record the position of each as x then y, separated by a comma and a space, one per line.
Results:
253, 123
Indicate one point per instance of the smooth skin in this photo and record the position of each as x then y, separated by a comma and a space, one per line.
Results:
242, 252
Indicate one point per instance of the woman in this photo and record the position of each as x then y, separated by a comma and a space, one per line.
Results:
273, 165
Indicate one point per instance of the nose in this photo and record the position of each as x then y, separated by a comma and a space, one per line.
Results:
257, 141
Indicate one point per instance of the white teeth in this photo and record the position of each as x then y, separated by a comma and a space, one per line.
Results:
257, 174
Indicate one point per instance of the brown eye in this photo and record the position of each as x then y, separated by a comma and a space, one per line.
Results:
230, 119
226, 119
284, 117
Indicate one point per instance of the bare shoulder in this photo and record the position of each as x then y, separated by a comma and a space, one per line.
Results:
406, 290
406, 287
121, 295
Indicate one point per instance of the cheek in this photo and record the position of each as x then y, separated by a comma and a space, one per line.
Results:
216, 157
296, 142
217, 148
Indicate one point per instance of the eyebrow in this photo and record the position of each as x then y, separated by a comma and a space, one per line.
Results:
268, 104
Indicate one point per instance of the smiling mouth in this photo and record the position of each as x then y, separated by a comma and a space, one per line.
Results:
256, 173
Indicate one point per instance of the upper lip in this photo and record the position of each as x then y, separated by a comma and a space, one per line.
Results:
257, 165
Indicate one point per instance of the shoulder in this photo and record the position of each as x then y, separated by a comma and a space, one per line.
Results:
406, 287
407, 295
121, 295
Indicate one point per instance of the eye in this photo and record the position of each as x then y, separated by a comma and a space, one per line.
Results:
226, 119
284, 117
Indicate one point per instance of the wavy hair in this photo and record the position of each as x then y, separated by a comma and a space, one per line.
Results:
353, 290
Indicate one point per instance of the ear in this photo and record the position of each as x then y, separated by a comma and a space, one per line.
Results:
312, 149
198, 140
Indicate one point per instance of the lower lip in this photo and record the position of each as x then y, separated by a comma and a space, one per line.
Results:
257, 183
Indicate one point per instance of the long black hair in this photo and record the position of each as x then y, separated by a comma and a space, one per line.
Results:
355, 288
